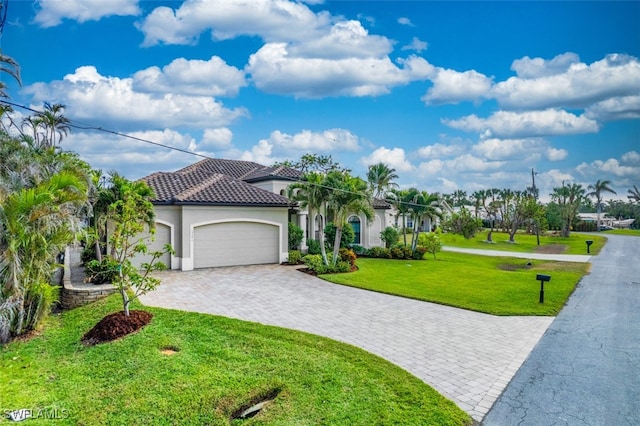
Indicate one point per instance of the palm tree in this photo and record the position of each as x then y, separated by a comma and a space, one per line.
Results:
312, 194
459, 198
478, 198
10, 66
634, 194
349, 195
54, 124
380, 177
569, 199
401, 200
596, 192
424, 205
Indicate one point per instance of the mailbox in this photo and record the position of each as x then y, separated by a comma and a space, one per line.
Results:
542, 278
589, 242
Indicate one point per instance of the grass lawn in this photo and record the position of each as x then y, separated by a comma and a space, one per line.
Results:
220, 366
525, 243
634, 232
495, 285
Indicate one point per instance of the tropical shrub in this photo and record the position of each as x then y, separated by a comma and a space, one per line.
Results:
295, 236
419, 252
295, 257
463, 223
390, 236
346, 238
348, 255
358, 250
313, 247
401, 252
100, 272
379, 252
342, 267
314, 262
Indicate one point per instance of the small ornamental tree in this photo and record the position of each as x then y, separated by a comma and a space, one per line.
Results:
132, 215
390, 236
463, 223
295, 236
431, 242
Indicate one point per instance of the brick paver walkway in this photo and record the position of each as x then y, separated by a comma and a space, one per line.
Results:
467, 356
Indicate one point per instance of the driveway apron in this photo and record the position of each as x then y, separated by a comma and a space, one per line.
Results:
586, 368
467, 356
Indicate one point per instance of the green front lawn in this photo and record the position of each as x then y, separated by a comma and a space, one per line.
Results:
220, 365
634, 232
525, 243
495, 285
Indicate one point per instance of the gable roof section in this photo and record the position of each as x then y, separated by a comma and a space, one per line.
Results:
201, 187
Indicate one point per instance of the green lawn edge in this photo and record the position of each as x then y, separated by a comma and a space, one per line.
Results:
502, 286
221, 364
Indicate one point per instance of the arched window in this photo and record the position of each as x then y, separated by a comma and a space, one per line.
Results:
354, 221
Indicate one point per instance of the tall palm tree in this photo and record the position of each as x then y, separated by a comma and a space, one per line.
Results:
459, 198
54, 124
569, 199
380, 177
349, 195
634, 194
424, 205
312, 194
601, 185
401, 199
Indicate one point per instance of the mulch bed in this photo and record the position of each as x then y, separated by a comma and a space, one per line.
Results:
115, 326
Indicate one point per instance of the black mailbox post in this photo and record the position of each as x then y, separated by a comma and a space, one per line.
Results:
589, 242
542, 278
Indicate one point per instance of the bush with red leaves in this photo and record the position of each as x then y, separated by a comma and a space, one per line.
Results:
116, 325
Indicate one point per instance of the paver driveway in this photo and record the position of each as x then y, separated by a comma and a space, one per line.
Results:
469, 357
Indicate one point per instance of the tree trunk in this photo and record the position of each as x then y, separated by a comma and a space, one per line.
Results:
489, 235
125, 300
404, 228
98, 251
336, 245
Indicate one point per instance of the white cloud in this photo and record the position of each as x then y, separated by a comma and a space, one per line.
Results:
272, 20
260, 153
439, 150
395, 158
92, 97
405, 21
509, 124
191, 77
132, 158
50, 13
345, 39
275, 71
554, 154
307, 141
450, 86
416, 44
580, 85
511, 149
620, 108
218, 138
471, 163
631, 158
539, 67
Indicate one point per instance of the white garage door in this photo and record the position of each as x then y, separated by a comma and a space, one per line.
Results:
162, 237
235, 243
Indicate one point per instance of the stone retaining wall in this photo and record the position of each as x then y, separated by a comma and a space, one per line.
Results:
75, 293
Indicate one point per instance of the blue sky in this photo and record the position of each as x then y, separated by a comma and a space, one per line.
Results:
453, 95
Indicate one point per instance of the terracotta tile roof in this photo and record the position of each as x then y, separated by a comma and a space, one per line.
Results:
379, 203
200, 186
243, 170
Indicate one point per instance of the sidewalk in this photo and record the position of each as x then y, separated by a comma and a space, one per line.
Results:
535, 256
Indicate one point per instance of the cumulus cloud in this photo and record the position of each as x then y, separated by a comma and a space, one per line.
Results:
439, 150
580, 85
50, 13
395, 158
273, 70
92, 97
405, 21
260, 153
509, 124
554, 154
620, 108
307, 141
191, 77
450, 86
132, 158
631, 158
511, 149
416, 44
610, 166
272, 20
214, 139
539, 67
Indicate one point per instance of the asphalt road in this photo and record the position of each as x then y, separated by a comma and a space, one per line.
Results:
586, 368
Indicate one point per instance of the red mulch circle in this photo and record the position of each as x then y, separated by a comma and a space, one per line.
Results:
116, 325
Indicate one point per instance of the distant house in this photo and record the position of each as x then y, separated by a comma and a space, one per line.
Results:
221, 212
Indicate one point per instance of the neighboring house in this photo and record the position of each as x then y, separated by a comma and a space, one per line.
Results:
227, 212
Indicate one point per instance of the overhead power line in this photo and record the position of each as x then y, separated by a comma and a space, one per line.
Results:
83, 126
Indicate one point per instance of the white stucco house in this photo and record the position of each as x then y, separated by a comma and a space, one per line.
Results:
221, 212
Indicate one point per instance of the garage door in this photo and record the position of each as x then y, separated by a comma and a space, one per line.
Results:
235, 243
162, 237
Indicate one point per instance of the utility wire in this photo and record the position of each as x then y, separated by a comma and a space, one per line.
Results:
84, 126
